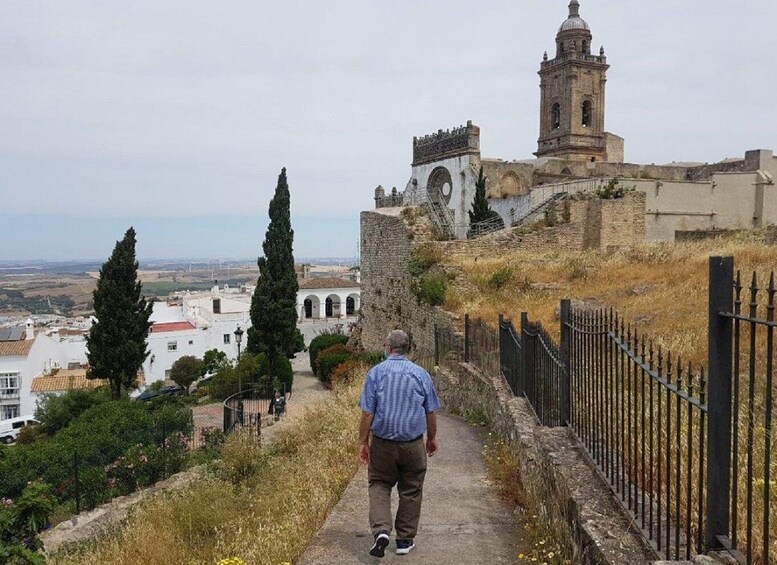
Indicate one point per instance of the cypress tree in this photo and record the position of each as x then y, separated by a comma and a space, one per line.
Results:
117, 340
480, 209
273, 328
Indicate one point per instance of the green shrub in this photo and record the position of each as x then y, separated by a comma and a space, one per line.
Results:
430, 287
321, 342
99, 436
500, 277
252, 371
21, 521
283, 374
56, 412
612, 191
330, 358
30, 434
372, 358
424, 257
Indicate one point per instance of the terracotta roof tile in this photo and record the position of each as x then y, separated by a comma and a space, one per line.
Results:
315, 283
172, 327
16, 348
65, 380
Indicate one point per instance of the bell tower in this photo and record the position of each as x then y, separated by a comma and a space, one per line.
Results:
572, 95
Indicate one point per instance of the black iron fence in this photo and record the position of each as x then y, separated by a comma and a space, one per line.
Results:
244, 410
689, 455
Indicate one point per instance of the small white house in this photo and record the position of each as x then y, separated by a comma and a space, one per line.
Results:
23, 357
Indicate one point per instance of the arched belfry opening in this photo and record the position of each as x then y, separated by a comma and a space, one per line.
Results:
555, 116
587, 114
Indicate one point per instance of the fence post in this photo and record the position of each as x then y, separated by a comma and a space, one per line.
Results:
720, 335
164, 449
502, 348
76, 481
466, 338
527, 350
436, 346
565, 361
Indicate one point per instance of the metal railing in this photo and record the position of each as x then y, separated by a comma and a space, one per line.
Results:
243, 410
689, 453
741, 373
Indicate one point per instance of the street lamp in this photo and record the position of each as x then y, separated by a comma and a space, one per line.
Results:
238, 340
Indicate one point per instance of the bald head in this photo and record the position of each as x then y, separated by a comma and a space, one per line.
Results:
398, 342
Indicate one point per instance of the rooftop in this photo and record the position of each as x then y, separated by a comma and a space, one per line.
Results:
63, 380
19, 348
326, 282
172, 327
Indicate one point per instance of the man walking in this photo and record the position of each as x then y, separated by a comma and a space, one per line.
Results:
398, 406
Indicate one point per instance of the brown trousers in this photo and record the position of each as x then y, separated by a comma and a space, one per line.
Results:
402, 464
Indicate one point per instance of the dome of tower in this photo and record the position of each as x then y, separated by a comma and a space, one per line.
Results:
574, 21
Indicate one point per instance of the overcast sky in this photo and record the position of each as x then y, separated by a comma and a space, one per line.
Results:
176, 117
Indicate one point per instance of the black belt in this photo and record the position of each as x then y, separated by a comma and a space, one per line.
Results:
399, 440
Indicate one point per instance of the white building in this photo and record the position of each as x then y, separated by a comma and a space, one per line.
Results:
198, 322
328, 297
23, 357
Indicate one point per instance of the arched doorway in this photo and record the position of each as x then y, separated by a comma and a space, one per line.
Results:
311, 307
332, 306
351, 304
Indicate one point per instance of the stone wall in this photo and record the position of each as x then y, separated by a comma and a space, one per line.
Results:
584, 223
388, 237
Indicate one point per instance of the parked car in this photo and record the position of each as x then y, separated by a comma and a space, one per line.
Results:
169, 390
9, 429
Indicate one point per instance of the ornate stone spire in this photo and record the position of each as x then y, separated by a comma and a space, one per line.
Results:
574, 9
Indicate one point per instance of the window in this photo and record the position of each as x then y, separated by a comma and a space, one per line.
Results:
585, 47
217, 305
9, 385
10, 411
227, 338
555, 116
191, 342
172, 346
587, 113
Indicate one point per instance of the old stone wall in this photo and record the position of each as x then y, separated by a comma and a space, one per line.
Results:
388, 237
622, 221
505, 178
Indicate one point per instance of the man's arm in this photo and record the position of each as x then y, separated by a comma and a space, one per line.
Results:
364, 436
431, 433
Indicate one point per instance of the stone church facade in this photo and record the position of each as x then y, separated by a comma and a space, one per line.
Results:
575, 153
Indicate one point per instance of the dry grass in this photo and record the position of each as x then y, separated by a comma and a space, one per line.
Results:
660, 289
535, 544
259, 503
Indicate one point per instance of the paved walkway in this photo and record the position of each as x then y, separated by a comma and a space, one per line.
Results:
306, 389
462, 521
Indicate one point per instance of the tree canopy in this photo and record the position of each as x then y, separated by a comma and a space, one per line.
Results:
117, 340
274, 329
480, 208
185, 371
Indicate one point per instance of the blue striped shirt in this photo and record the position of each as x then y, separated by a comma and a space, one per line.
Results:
399, 394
